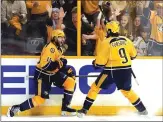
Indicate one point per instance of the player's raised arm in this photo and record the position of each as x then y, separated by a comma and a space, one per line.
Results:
102, 55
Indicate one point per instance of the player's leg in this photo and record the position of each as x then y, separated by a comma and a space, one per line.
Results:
123, 82
89, 100
42, 93
135, 101
99, 84
69, 88
68, 84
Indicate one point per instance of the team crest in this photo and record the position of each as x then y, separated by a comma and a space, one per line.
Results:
52, 50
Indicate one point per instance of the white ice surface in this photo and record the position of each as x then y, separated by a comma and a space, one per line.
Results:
85, 118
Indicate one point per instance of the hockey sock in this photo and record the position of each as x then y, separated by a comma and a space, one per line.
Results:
88, 103
139, 105
69, 88
134, 99
28, 104
92, 95
67, 97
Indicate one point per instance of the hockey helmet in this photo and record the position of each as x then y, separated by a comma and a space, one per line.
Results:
113, 26
57, 33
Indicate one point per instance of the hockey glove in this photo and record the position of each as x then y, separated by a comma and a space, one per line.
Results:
70, 73
64, 61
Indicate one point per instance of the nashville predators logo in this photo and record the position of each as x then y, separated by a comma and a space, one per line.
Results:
160, 27
52, 50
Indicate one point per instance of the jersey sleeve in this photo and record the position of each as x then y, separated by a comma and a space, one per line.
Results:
102, 56
100, 33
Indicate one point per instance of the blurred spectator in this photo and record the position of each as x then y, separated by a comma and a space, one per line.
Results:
136, 26
38, 16
131, 8
126, 26
141, 21
55, 21
87, 42
68, 6
91, 10
38, 9
140, 5
156, 19
116, 8
91, 39
55, 18
112, 9
71, 33
141, 42
13, 15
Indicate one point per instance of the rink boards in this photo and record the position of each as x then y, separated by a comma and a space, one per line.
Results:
16, 87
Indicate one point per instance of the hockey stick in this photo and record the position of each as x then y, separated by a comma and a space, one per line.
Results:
94, 76
75, 76
134, 77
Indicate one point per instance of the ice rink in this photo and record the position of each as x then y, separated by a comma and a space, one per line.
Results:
86, 118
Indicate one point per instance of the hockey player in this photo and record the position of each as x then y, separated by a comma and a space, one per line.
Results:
50, 69
115, 59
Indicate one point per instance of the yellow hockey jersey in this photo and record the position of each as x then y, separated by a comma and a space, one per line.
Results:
90, 6
116, 53
50, 59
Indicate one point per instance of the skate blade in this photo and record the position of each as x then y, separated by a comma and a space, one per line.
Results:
80, 115
65, 113
8, 112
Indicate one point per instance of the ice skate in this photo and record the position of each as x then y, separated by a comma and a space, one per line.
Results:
12, 111
67, 111
145, 112
81, 113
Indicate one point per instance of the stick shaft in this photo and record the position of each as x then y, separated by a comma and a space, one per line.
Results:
133, 73
134, 77
75, 76
96, 76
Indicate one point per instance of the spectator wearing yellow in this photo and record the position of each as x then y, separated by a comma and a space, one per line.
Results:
14, 14
38, 8
156, 20
91, 9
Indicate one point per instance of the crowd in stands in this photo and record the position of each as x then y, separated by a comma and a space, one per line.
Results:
26, 25
140, 21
